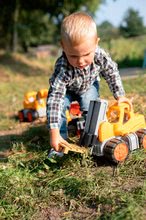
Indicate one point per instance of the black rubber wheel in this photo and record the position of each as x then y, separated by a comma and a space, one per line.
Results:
35, 114
142, 138
116, 150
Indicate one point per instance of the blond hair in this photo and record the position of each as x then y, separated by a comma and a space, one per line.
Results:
77, 26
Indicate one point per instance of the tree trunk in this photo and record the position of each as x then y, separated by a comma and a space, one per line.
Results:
15, 31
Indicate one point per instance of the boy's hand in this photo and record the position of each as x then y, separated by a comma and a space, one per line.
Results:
56, 140
126, 100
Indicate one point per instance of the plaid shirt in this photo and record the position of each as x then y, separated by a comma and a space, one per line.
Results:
67, 78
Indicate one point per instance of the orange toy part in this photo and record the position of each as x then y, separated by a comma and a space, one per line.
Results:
121, 120
43, 93
144, 142
35, 100
29, 100
75, 109
121, 152
73, 112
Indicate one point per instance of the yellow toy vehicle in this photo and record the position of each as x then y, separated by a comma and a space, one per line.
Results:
113, 132
110, 131
34, 106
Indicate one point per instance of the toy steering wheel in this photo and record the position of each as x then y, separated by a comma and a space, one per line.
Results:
113, 112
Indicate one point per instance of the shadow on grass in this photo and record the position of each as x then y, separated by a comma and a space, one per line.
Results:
31, 138
102, 161
35, 140
18, 66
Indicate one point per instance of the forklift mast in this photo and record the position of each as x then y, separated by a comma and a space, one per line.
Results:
96, 115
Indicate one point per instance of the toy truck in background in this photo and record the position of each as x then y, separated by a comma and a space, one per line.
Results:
112, 131
34, 106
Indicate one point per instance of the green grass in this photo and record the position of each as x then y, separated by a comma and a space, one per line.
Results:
127, 52
32, 187
75, 187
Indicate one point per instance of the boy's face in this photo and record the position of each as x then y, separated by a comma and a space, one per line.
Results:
80, 55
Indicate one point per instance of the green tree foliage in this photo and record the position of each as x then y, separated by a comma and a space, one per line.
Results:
132, 24
35, 22
107, 31
35, 29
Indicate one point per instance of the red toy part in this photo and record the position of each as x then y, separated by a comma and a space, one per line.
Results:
75, 109
21, 116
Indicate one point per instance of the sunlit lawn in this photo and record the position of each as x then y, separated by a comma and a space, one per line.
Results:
73, 187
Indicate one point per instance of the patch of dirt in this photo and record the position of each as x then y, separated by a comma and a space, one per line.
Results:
133, 183
85, 213
21, 127
14, 131
5, 136
3, 76
49, 213
57, 213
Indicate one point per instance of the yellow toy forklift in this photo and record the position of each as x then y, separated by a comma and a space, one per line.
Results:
111, 131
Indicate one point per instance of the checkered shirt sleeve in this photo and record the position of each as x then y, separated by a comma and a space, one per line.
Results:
109, 71
56, 94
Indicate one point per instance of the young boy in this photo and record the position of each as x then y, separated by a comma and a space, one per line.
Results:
77, 74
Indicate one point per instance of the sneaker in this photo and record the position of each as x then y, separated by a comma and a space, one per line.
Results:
53, 153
